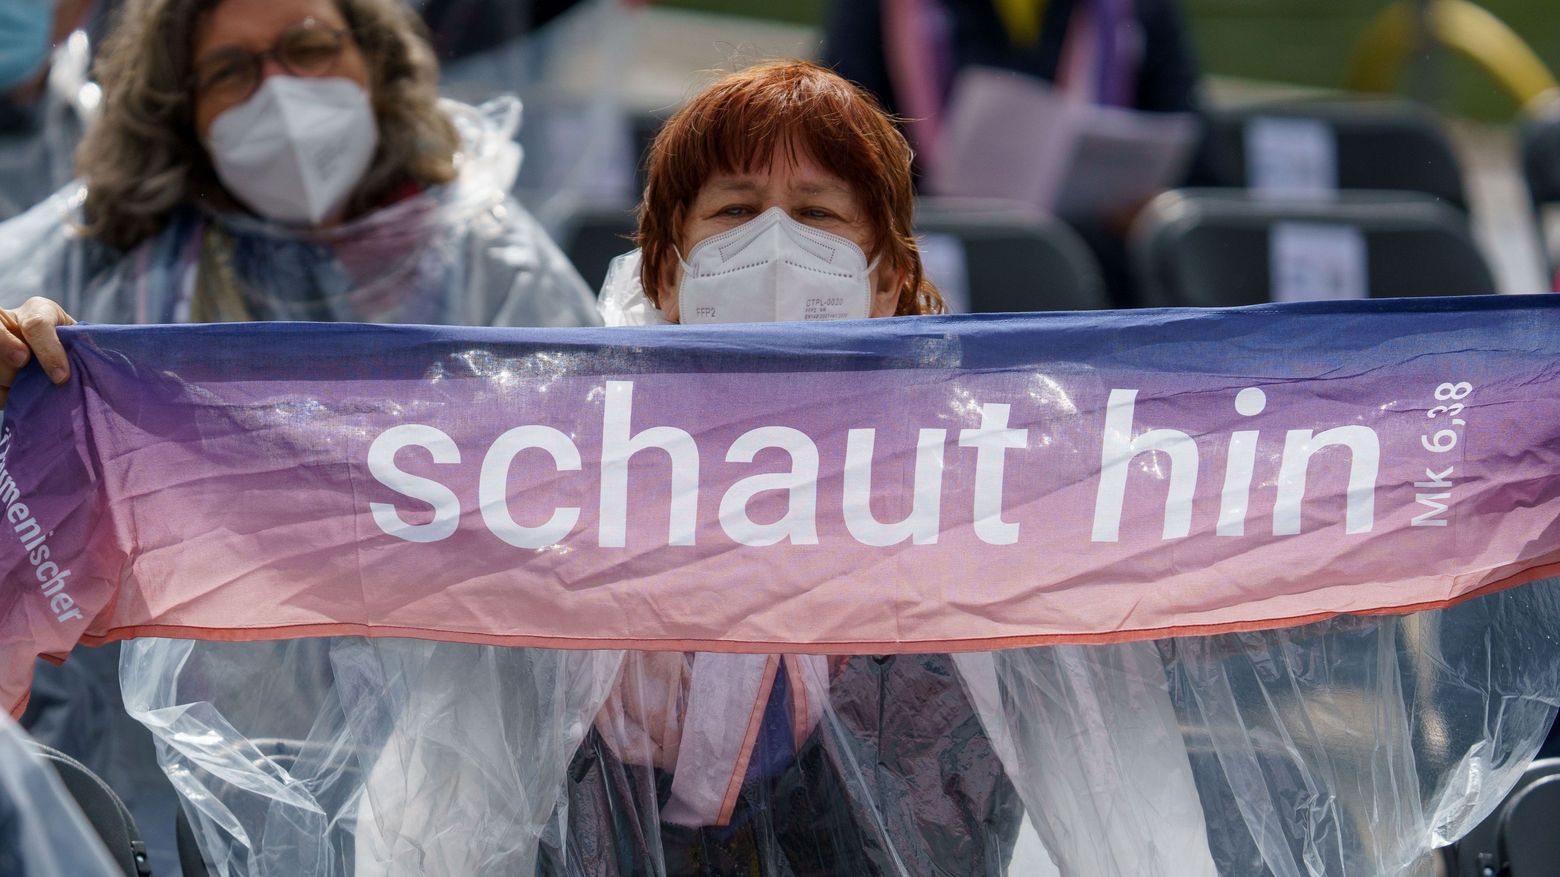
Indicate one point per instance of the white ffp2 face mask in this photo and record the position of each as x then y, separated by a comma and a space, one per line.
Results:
773, 268
297, 148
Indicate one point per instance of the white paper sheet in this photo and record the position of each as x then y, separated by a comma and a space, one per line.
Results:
1014, 137
943, 257
1314, 261
1291, 158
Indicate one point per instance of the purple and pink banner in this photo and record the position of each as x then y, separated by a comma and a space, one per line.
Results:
881, 486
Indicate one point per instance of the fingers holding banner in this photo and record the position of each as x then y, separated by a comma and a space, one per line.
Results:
29, 331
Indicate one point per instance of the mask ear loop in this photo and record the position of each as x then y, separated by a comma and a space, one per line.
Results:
871, 288
686, 269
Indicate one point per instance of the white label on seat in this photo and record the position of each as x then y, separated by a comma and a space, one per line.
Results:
1311, 261
943, 258
1291, 158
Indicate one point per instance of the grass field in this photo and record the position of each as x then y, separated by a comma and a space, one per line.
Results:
1306, 42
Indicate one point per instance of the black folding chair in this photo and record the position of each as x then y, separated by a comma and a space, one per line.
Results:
1015, 261
592, 235
1519, 839
1539, 138
1378, 145
1215, 247
104, 810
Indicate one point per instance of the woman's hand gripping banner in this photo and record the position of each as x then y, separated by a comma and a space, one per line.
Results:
914, 485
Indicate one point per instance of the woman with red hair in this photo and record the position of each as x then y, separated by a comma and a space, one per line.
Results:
791, 140
783, 192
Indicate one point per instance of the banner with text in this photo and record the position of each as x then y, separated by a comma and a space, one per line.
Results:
866, 487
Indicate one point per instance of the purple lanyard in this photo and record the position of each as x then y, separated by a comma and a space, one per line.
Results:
1094, 50
1109, 19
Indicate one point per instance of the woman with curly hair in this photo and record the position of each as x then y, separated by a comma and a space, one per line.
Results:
281, 159
265, 160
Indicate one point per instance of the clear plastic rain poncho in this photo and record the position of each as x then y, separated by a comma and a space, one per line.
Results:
1347, 747
464, 254
42, 831
38, 142
1352, 746
573, 73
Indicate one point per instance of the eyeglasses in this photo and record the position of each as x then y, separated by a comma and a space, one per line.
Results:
308, 48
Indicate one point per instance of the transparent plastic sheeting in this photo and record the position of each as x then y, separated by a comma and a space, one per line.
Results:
465, 253
42, 831
38, 141
1347, 747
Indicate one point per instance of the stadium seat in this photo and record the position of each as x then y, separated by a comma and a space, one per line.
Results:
1540, 156
643, 127
593, 234
1008, 261
191, 862
104, 811
1220, 247
1012, 261
1373, 145
1519, 838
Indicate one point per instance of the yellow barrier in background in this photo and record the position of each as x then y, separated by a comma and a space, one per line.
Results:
1466, 28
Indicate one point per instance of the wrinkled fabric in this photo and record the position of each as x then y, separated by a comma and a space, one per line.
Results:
905, 713
897, 778
1347, 747
1351, 746
42, 831
1087, 522
622, 301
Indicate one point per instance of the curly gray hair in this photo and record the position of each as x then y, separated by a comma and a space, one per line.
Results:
142, 157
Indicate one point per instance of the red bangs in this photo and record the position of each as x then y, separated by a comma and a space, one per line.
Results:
739, 126
783, 111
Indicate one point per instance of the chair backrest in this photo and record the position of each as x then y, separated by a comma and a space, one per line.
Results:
1013, 261
1371, 144
104, 811
1529, 841
191, 862
592, 235
1539, 139
1215, 248
1520, 835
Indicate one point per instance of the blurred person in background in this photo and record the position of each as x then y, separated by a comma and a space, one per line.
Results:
1129, 54
265, 160
259, 160
463, 29
568, 60
908, 51
46, 97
